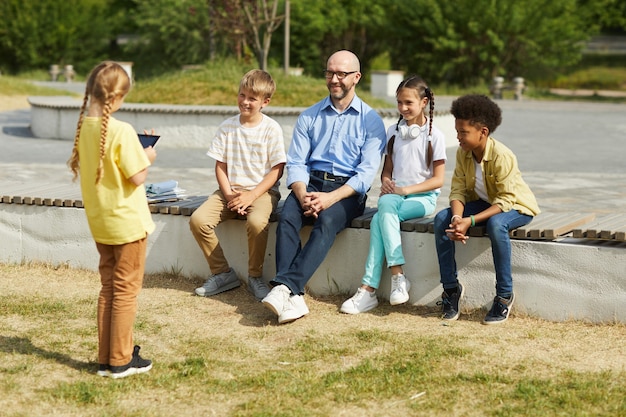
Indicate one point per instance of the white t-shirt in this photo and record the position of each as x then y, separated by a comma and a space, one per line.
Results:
479, 187
249, 153
410, 154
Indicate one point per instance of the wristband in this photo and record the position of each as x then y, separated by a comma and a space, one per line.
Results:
456, 215
473, 221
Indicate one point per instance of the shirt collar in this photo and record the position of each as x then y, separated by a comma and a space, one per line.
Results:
356, 104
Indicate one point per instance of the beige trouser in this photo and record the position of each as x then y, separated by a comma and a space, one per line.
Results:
121, 274
214, 211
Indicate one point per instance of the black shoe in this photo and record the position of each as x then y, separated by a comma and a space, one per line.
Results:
500, 310
450, 304
103, 369
137, 365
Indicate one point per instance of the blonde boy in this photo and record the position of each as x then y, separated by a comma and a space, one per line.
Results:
249, 154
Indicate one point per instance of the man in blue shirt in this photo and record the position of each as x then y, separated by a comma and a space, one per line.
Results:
334, 155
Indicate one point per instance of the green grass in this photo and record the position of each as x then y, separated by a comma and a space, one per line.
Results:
216, 83
17, 86
594, 78
221, 355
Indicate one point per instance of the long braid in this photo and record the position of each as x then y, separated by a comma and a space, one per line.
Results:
106, 82
74, 161
431, 103
104, 130
392, 139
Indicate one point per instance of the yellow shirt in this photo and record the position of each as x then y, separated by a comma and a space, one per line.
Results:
117, 210
503, 180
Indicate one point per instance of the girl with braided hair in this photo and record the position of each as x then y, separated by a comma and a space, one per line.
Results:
412, 175
113, 166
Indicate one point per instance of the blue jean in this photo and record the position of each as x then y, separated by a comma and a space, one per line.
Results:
498, 228
296, 264
385, 236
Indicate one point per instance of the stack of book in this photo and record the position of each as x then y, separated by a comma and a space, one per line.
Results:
164, 191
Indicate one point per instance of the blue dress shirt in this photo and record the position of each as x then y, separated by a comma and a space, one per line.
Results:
348, 144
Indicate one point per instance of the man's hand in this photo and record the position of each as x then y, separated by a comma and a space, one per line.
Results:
316, 203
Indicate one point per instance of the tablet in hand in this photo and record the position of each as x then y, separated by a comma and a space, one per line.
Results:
148, 140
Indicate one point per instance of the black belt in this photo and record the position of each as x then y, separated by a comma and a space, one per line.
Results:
323, 175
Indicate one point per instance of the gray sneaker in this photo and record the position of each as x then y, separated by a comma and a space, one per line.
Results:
218, 283
258, 288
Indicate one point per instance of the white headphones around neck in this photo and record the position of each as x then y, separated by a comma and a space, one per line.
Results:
411, 132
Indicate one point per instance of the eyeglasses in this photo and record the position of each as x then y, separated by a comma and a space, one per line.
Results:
340, 74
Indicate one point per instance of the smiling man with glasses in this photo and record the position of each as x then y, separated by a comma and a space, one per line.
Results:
333, 158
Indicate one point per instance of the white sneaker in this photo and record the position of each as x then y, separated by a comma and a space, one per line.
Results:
277, 299
294, 309
360, 302
400, 287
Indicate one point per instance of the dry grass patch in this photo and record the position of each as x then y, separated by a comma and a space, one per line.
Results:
225, 355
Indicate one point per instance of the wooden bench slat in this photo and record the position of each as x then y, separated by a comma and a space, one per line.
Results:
592, 231
552, 225
363, 221
419, 225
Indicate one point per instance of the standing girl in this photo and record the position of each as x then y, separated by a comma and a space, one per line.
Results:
412, 175
113, 167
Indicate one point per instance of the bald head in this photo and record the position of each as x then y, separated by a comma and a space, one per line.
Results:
345, 59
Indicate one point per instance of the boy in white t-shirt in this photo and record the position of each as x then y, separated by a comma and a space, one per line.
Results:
249, 154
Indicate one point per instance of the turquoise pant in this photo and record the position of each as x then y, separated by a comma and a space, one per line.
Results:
385, 241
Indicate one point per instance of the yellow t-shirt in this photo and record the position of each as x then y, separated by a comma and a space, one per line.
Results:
117, 210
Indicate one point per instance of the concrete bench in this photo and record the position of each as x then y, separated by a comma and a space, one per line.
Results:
546, 226
46, 223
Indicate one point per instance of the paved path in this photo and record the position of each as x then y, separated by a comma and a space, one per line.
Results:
571, 154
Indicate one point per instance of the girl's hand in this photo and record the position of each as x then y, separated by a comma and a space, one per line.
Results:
388, 187
150, 153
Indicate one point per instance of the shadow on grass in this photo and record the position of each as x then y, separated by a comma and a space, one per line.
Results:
24, 346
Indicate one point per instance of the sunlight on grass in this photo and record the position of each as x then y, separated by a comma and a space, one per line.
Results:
13, 86
206, 361
218, 84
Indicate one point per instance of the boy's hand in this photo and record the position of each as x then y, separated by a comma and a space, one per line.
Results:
458, 229
240, 201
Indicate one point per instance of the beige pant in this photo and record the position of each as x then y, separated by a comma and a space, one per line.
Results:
121, 274
214, 211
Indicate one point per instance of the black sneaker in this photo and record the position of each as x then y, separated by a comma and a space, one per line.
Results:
500, 310
137, 365
103, 370
450, 304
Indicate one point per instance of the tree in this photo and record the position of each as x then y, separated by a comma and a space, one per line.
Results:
172, 32
319, 30
466, 42
38, 33
263, 20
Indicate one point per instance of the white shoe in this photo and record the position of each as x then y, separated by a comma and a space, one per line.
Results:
360, 302
294, 309
277, 299
400, 287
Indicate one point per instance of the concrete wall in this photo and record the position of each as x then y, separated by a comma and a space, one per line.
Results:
180, 126
554, 281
